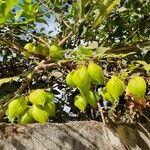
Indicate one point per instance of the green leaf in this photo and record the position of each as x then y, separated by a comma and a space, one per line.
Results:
146, 66
81, 80
16, 107
137, 87
18, 14
41, 20
81, 5
106, 8
96, 74
91, 99
80, 102
9, 5
10, 79
38, 97
115, 87
2, 20
39, 114
84, 51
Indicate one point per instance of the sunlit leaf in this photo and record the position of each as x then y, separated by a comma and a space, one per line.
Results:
10, 79
9, 5
107, 7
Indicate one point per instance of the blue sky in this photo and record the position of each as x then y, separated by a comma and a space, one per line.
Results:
51, 26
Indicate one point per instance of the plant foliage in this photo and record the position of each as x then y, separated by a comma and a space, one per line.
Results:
66, 60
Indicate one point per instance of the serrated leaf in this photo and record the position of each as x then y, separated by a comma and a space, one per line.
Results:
137, 86
16, 107
115, 87
38, 97
96, 74
39, 114
80, 102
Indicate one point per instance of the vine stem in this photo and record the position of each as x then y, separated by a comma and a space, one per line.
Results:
101, 112
63, 41
104, 126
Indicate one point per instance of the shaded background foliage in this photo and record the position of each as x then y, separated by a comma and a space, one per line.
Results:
125, 32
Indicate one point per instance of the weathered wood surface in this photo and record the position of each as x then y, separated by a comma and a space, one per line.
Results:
84, 135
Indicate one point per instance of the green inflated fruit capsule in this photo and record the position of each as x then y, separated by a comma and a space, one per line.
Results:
50, 108
44, 50
39, 114
115, 87
56, 52
91, 99
50, 97
30, 47
38, 97
81, 80
106, 96
26, 117
69, 79
80, 102
16, 107
137, 87
96, 74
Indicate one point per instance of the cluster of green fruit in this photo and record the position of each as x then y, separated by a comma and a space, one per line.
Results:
115, 87
55, 52
84, 77
38, 106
